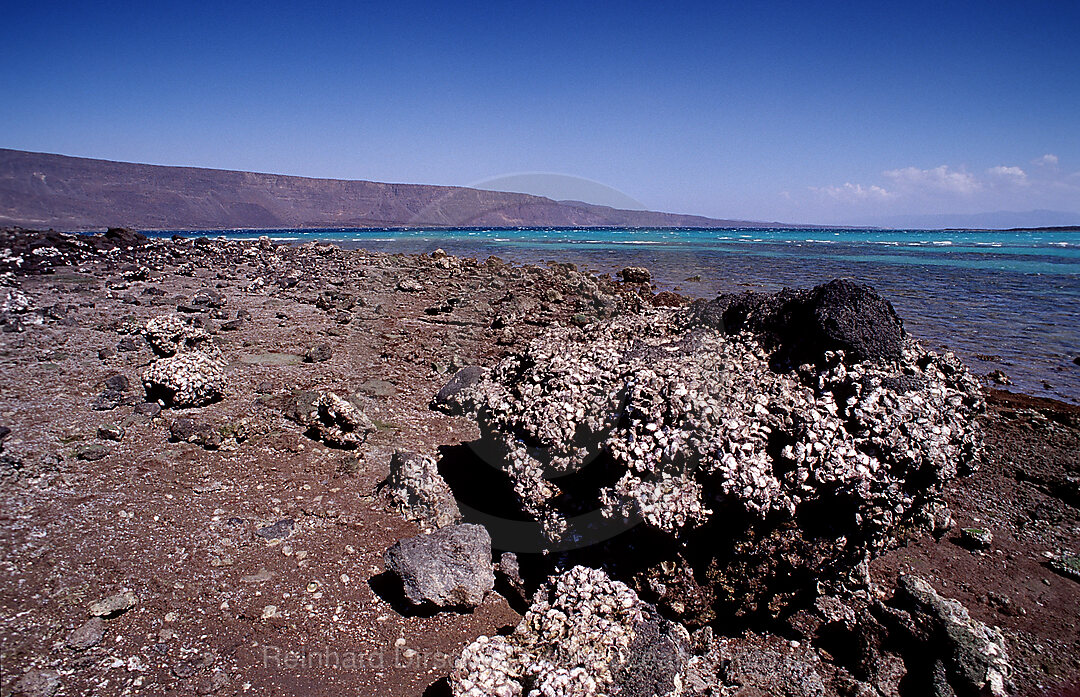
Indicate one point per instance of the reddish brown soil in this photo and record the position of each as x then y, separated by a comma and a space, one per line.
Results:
175, 523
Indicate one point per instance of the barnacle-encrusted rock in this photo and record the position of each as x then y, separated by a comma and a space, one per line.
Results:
416, 488
331, 419
755, 482
975, 654
169, 334
584, 634
188, 380
448, 568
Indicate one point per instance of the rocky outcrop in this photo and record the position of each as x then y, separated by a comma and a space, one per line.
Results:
753, 484
170, 334
584, 634
803, 325
448, 568
186, 380
975, 656
331, 419
415, 487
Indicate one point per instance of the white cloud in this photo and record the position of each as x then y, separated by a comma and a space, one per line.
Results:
852, 192
938, 179
1014, 174
1047, 160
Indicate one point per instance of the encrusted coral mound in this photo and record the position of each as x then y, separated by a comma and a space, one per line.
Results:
577, 639
751, 469
188, 380
169, 334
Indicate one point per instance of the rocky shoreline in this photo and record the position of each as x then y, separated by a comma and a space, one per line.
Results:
237, 467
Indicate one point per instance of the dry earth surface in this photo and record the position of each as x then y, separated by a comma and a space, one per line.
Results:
100, 495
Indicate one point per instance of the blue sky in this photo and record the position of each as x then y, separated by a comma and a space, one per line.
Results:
812, 112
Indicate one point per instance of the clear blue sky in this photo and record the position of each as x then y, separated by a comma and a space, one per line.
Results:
815, 112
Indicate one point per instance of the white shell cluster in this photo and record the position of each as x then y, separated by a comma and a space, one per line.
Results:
697, 417
337, 421
168, 334
575, 632
190, 379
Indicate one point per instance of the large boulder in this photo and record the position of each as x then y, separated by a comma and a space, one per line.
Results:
752, 483
448, 568
186, 380
803, 325
415, 487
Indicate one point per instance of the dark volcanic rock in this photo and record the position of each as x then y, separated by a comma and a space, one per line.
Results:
635, 274
803, 324
446, 399
319, 353
448, 568
278, 531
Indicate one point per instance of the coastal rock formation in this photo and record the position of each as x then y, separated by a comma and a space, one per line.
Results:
976, 659
415, 487
753, 484
186, 380
584, 634
168, 334
802, 325
331, 419
448, 568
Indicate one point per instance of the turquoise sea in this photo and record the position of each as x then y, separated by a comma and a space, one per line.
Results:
1002, 300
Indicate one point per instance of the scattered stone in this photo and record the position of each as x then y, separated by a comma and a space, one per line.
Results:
110, 432
118, 383
377, 388
319, 353
107, 400
114, 605
415, 487
187, 380
278, 531
975, 654
976, 538
410, 285
331, 419
446, 399
88, 635
150, 409
207, 435
106, 353
129, 343
448, 568
635, 274
91, 452
1067, 565
999, 377
38, 683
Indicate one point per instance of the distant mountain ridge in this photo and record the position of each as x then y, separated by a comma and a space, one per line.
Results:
994, 220
41, 190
